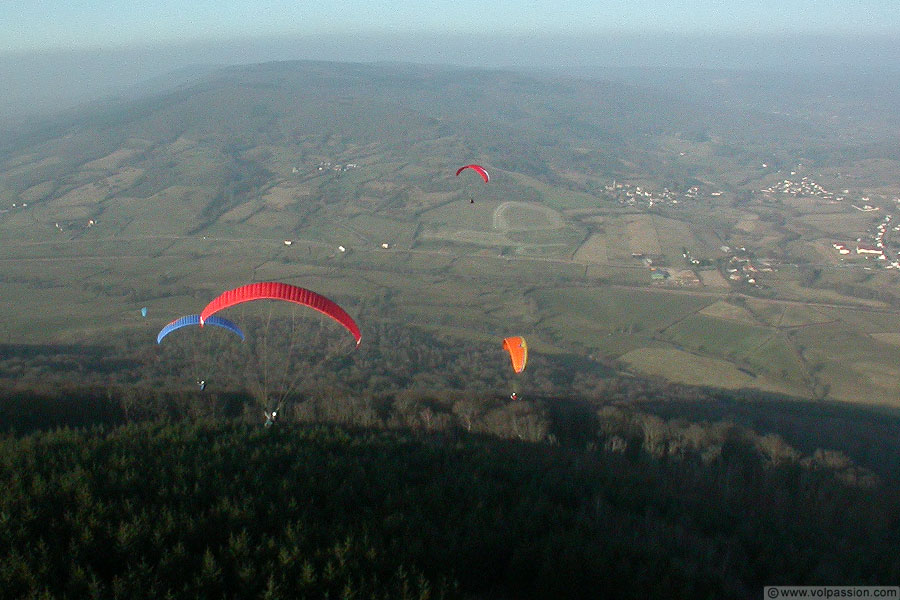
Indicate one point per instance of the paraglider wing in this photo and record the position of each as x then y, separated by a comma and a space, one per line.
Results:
225, 324
195, 320
518, 352
273, 290
478, 169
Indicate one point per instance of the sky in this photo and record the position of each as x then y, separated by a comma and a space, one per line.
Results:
30, 25
56, 54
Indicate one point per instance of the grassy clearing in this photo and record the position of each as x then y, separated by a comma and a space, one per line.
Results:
865, 321
675, 235
618, 243
641, 232
842, 226
589, 316
568, 238
460, 214
631, 276
684, 367
593, 250
495, 269
381, 230
789, 289
776, 359
525, 216
892, 338
861, 383
95, 297
556, 198
853, 366
726, 310
779, 314
800, 316
718, 337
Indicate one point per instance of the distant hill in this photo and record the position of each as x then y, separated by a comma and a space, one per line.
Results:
239, 130
534, 124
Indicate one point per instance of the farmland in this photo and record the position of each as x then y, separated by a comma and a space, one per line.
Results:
707, 279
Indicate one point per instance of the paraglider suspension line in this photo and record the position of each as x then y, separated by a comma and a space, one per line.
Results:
289, 389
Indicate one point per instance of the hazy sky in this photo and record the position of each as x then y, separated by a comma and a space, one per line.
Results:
59, 53
27, 25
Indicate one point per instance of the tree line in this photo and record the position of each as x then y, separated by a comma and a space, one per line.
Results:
226, 509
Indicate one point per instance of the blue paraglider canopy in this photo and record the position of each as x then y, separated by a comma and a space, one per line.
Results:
144, 312
195, 320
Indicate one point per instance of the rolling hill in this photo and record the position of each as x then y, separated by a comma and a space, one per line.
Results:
596, 184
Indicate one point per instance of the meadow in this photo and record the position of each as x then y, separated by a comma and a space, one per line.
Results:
167, 202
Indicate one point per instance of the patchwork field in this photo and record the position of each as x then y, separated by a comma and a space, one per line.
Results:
593, 250
726, 310
60, 291
693, 369
526, 216
193, 195
642, 236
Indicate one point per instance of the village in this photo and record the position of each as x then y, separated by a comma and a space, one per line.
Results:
805, 187
638, 196
326, 165
877, 249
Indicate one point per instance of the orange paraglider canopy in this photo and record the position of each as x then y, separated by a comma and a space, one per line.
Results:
518, 352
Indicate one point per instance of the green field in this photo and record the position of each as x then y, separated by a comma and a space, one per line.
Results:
693, 369
194, 194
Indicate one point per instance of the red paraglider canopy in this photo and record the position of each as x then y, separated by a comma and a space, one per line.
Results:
273, 290
478, 169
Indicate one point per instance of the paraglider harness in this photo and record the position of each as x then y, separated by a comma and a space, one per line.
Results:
271, 417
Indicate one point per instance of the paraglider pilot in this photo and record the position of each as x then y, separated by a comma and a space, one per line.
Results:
270, 417
202, 384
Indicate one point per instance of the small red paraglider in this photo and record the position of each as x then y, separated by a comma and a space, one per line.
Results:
478, 169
